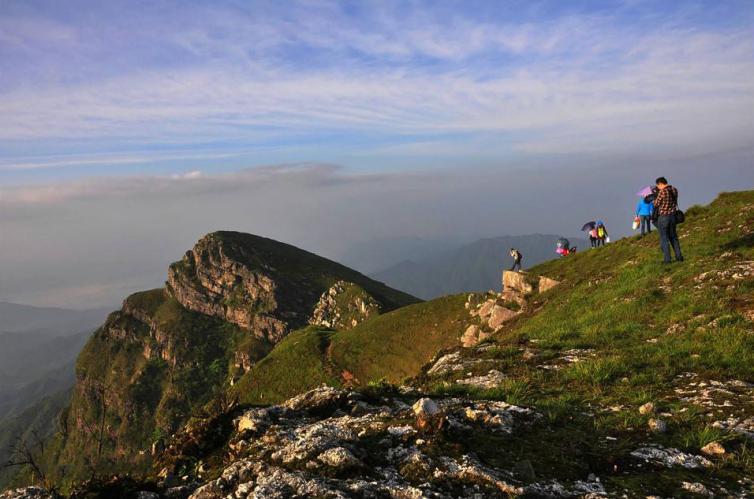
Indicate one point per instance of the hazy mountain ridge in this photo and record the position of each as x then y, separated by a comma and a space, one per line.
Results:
473, 267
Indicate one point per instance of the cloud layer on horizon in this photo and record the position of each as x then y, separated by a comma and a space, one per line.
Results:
91, 242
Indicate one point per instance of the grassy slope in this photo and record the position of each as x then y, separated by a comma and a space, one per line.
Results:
295, 365
146, 398
647, 324
393, 346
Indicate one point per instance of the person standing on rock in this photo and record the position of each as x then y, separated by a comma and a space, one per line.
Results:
666, 204
517, 256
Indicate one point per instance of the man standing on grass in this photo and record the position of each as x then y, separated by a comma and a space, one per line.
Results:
516, 255
666, 205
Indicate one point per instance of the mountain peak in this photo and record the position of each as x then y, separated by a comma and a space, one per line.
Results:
260, 284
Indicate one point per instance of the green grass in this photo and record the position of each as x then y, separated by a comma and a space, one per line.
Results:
297, 364
395, 346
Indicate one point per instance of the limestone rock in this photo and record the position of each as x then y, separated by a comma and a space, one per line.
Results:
492, 379
429, 417
519, 286
470, 336
253, 420
344, 306
322, 399
499, 316
546, 284
516, 287
671, 457
339, 458
648, 408
713, 449
657, 425
486, 308
213, 279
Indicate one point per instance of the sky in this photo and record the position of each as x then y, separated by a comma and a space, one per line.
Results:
130, 129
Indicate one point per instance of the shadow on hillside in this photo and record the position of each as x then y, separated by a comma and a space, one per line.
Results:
742, 242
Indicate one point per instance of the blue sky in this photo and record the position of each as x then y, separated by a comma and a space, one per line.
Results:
108, 88
130, 129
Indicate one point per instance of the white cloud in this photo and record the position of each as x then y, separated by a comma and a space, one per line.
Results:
584, 76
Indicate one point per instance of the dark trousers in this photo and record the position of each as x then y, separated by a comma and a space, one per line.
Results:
593, 241
600, 241
516, 263
668, 237
646, 224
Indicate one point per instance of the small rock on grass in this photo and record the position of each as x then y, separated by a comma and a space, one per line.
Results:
713, 449
648, 408
657, 425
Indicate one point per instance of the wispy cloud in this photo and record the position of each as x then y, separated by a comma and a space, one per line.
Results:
579, 81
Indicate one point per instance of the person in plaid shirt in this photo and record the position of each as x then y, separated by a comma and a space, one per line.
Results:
666, 204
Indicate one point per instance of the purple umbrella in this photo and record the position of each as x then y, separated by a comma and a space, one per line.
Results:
646, 191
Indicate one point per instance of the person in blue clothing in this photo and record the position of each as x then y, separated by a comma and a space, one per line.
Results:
644, 212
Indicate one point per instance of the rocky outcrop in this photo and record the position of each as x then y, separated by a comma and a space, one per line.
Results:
270, 288
344, 306
361, 447
492, 311
212, 280
520, 286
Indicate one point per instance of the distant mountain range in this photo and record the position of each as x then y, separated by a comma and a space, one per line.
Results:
38, 347
16, 318
473, 267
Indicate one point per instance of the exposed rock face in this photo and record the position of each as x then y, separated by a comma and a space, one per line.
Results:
212, 280
271, 288
546, 284
344, 306
671, 457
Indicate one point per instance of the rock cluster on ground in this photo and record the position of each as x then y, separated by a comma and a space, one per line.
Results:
490, 312
344, 306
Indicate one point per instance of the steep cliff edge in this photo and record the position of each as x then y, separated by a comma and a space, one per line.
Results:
168, 352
